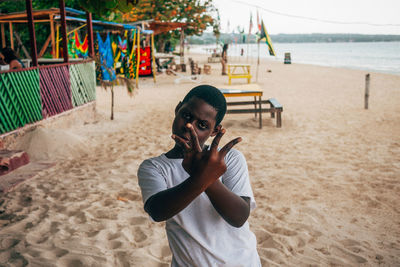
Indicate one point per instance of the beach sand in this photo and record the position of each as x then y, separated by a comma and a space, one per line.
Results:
326, 183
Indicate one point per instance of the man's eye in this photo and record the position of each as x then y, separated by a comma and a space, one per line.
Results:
203, 125
186, 116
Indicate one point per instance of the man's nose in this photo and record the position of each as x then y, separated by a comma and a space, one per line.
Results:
191, 121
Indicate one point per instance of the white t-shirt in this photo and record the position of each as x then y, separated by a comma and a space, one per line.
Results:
198, 235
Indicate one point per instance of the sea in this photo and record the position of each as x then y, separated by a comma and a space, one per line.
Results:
381, 57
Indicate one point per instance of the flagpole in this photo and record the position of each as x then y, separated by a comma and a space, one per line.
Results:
247, 59
258, 59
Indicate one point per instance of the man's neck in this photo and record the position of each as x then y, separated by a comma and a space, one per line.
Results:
175, 153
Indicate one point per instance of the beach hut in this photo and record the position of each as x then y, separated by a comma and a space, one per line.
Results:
124, 45
38, 92
158, 27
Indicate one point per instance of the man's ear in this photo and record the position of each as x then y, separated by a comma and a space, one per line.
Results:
216, 130
178, 107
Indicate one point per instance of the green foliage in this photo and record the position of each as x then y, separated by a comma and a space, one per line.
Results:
197, 14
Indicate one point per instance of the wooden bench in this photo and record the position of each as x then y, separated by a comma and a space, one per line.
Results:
274, 106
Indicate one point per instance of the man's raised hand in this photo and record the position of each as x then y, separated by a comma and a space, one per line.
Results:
205, 165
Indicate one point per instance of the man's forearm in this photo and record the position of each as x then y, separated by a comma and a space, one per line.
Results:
234, 209
168, 203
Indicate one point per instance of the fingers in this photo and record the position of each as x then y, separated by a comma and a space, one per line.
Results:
195, 141
181, 141
229, 146
217, 139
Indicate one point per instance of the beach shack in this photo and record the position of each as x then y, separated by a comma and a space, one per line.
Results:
51, 86
38, 92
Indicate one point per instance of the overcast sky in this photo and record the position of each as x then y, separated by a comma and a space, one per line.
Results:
345, 13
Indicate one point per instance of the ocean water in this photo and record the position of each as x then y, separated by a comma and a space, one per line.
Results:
369, 56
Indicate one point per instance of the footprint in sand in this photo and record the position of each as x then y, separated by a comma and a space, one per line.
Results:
7, 242
138, 220
12, 258
139, 235
115, 244
348, 255
122, 259
352, 245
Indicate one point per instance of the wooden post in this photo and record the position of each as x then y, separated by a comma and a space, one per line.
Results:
260, 108
53, 42
11, 36
181, 51
3, 36
258, 59
57, 40
112, 101
32, 35
153, 57
366, 96
90, 34
137, 58
64, 30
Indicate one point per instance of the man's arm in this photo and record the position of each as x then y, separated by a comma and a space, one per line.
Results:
234, 209
205, 167
168, 203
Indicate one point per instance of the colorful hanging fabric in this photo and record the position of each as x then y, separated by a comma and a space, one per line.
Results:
76, 48
82, 48
106, 58
122, 46
132, 59
145, 61
116, 54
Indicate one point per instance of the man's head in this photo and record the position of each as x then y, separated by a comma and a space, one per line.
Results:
204, 107
211, 96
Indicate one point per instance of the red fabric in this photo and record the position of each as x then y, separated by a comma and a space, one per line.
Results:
145, 61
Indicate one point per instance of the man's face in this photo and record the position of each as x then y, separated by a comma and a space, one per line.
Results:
200, 114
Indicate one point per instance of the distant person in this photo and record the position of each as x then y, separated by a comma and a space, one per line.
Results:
167, 47
224, 58
203, 193
8, 56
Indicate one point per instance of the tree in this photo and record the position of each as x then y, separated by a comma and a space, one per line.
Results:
197, 14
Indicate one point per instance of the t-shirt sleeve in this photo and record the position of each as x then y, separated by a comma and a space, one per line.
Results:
236, 177
150, 179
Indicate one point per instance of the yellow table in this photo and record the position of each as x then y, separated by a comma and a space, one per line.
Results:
236, 71
275, 107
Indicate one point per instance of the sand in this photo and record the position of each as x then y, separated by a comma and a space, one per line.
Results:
326, 183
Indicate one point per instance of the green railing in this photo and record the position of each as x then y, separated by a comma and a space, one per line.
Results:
25, 95
83, 83
20, 101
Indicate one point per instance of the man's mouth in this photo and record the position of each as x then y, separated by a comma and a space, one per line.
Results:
186, 139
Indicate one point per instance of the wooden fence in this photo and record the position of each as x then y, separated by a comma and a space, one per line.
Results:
30, 95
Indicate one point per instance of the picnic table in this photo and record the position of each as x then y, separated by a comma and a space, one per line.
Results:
237, 71
274, 106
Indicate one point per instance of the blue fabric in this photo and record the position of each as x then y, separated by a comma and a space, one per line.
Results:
106, 58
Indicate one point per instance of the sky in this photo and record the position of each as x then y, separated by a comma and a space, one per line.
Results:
312, 16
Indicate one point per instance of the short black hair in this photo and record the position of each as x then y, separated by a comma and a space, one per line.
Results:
9, 54
211, 96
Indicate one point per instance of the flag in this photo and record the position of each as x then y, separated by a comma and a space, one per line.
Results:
251, 23
258, 22
264, 34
